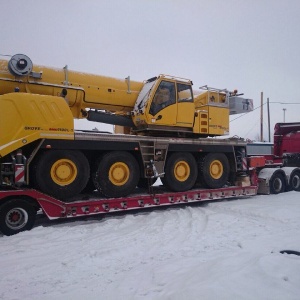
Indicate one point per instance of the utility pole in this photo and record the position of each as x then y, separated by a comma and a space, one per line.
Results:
261, 116
268, 106
284, 109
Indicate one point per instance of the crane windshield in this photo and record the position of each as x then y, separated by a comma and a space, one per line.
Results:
144, 96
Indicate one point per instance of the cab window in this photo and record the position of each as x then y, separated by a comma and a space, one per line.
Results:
184, 93
164, 96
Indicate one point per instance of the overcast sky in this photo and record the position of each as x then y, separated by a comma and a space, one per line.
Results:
251, 45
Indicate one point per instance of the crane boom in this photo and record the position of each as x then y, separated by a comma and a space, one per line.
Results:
81, 90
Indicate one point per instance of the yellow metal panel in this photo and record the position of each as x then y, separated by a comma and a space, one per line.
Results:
201, 100
185, 114
166, 116
210, 97
25, 118
218, 120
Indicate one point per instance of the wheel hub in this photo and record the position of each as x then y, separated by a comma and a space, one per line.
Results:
182, 171
216, 169
16, 218
119, 173
277, 184
63, 172
296, 182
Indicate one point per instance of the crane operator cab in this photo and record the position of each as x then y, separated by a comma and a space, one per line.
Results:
169, 104
166, 103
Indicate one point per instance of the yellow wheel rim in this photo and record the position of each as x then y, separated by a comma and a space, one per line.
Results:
119, 173
182, 171
63, 172
216, 169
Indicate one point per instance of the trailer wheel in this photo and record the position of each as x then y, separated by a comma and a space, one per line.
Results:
214, 170
295, 181
16, 216
61, 173
117, 174
180, 172
277, 184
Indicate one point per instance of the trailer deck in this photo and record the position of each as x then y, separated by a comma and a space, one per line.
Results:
93, 204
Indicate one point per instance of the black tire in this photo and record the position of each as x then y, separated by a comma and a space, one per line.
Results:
16, 216
61, 174
277, 183
295, 181
90, 186
117, 174
199, 182
144, 182
163, 180
180, 172
214, 170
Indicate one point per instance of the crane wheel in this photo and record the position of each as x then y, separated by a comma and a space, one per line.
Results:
214, 170
16, 215
60, 173
277, 183
117, 174
180, 172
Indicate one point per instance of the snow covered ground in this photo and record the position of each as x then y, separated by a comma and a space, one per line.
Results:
213, 250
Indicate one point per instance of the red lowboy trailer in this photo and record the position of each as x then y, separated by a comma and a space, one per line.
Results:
19, 207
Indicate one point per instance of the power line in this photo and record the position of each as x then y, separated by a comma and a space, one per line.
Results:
248, 112
286, 102
5, 55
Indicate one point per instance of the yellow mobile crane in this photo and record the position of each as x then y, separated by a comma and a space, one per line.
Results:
168, 123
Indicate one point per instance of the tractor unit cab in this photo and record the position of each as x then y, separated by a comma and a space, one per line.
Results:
287, 143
